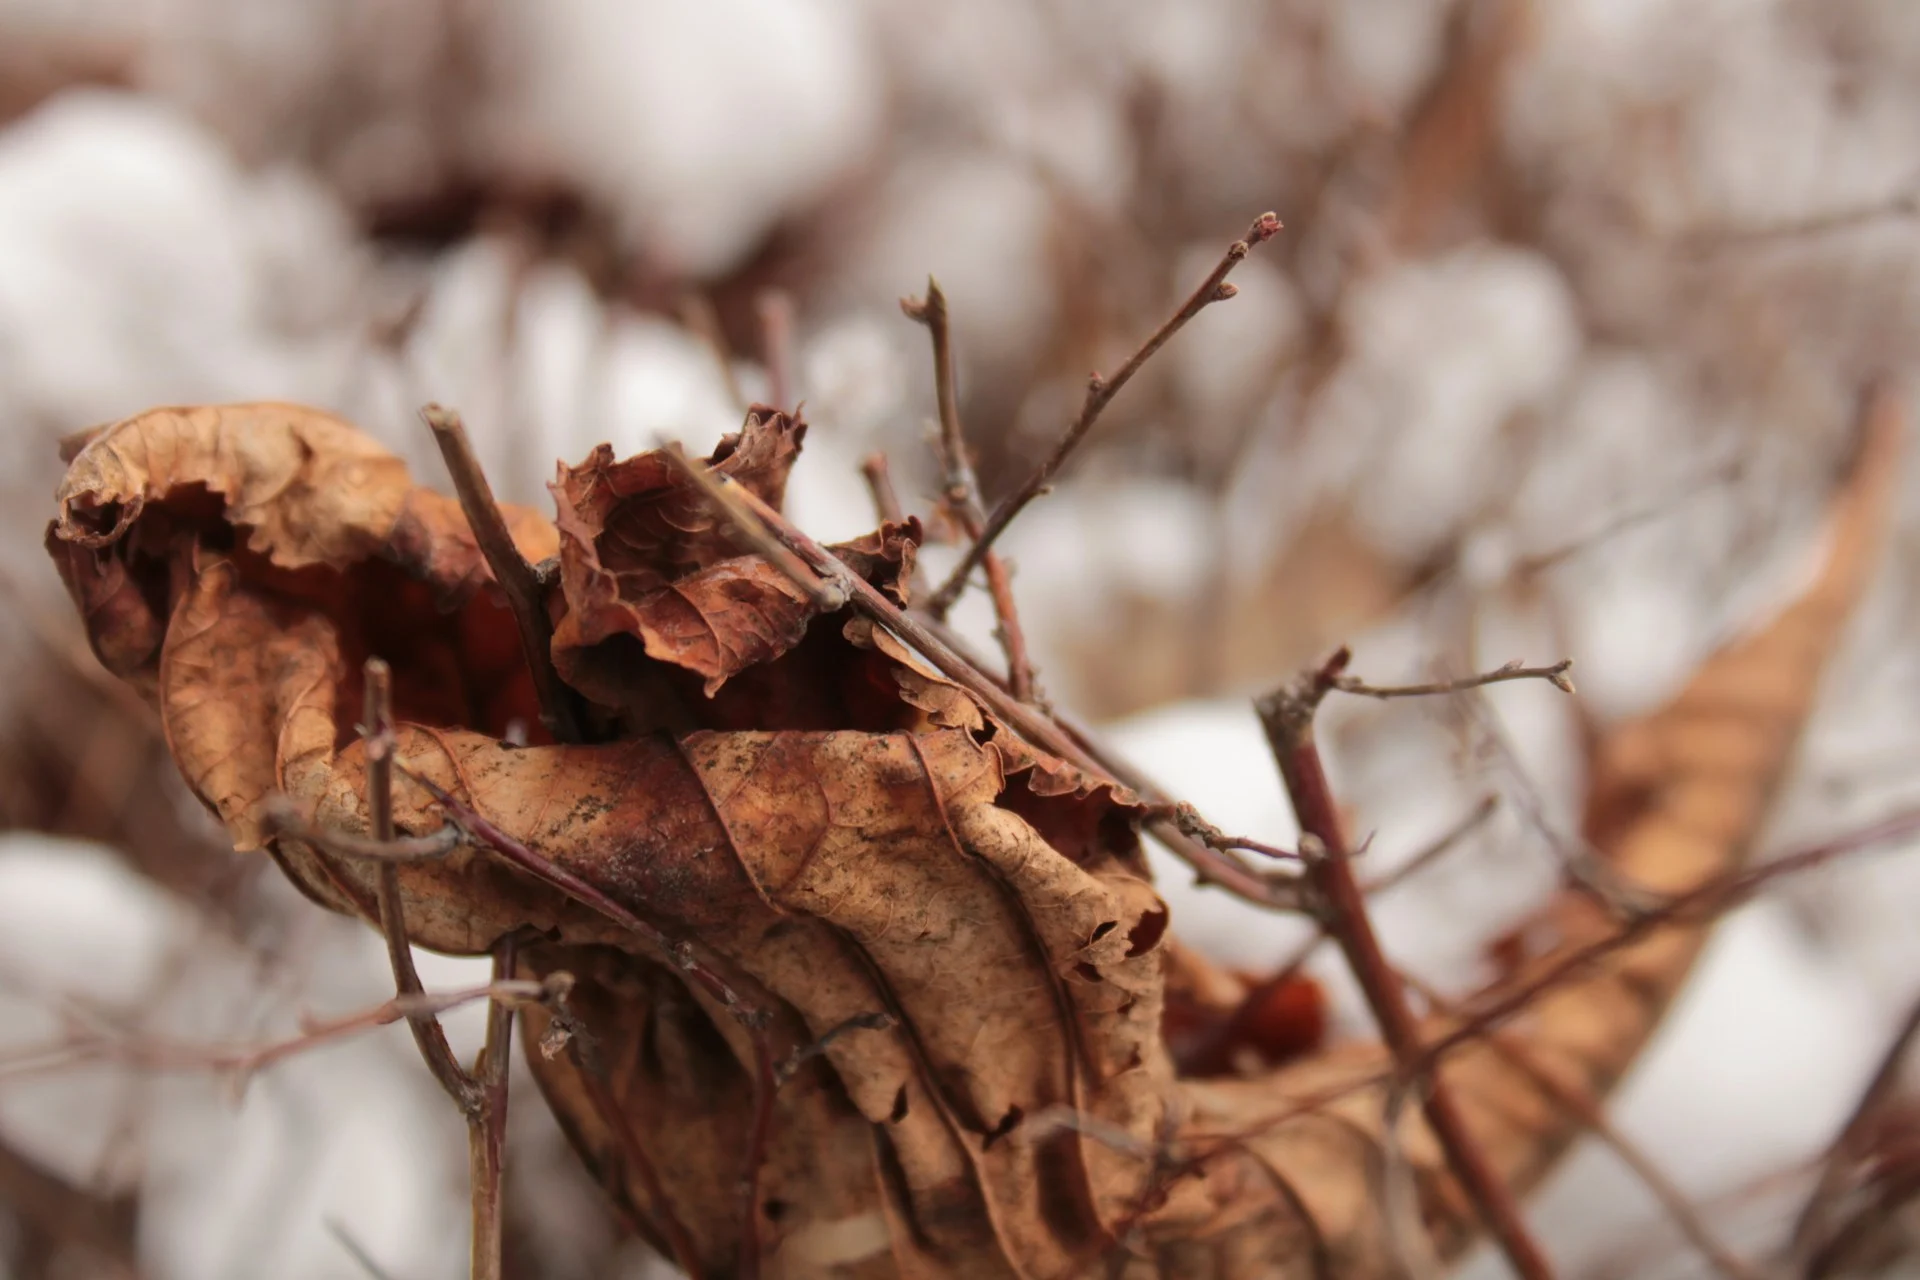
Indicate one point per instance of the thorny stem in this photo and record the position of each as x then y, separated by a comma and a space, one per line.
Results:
775, 309
1099, 392
1287, 716
1555, 675
755, 1021
487, 1126
1810, 1229
1036, 727
961, 490
427, 1032
1583, 1107
559, 706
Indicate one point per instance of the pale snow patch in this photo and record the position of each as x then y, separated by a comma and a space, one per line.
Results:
140, 266
979, 224
701, 125
1444, 355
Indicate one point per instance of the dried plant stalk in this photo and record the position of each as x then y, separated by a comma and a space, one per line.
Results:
829, 896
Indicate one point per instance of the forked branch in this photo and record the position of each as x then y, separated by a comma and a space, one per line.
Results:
752, 1019
1100, 392
1287, 716
1555, 675
427, 1032
960, 490
487, 1126
822, 566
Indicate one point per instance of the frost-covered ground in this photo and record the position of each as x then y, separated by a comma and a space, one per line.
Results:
1559, 369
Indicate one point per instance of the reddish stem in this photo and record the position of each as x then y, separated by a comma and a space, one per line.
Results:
1287, 716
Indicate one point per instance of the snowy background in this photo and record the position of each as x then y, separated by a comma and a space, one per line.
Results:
1556, 357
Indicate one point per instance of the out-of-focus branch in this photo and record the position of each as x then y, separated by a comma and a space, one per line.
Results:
1811, 1228
775, 309
875, 470
1100, 391
1594, 1117
698, 315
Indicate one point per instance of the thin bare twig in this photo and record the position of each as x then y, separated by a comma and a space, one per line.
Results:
1099, 392
1904, 203
487, 1126
1810, 1229
427, 1032
283, 819
886, 499
1038, 728
1583, 1107
1188, 820
720, 494
243, 1061
1702, 903
1582, 864
960, 491
585, 1055
1166, 817
791, 1064
698, 315
754, 1020
1287, 716
559, 705
1290, 967
361, 1258
1440, 848
775, 309
1555, 675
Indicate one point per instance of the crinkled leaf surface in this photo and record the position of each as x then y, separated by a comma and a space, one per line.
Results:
841, 833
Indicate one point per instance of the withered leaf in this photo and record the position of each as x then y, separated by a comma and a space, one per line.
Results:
643, 558
843, 833
1677, 799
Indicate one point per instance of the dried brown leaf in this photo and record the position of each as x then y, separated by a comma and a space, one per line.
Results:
845, 834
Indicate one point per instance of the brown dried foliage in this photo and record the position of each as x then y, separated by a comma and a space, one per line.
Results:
841, 833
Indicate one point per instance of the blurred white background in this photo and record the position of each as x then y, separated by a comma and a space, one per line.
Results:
1556, 357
